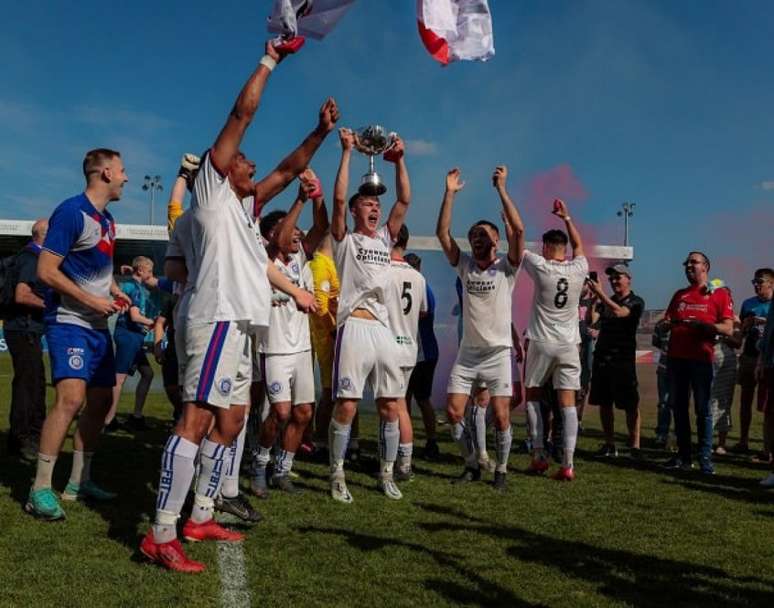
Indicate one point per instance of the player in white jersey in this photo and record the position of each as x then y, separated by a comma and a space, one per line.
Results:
406, 301
553, 337
230, 300
365, 347
286, 345
485, 349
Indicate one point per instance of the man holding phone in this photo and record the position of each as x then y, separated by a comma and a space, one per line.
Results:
614, 372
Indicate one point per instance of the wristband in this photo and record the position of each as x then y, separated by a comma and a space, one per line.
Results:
567, 218
268, 62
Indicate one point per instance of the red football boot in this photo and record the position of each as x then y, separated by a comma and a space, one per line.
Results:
170, 555
209, 530
564, 474
537, 467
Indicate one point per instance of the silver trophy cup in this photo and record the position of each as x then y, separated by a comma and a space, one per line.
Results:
372, 141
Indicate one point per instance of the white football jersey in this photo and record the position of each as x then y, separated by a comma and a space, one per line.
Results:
558, 287
362, 263
288, 331
486, 302
406, 297
229, 280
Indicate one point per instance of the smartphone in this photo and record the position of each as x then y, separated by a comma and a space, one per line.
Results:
593, 275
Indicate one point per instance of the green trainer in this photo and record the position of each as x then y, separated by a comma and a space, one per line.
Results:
88, 490
44, 505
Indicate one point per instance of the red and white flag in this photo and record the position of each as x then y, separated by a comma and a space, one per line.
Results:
312, 18
456, 30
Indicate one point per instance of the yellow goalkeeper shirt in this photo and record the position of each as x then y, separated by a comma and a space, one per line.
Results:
326, 288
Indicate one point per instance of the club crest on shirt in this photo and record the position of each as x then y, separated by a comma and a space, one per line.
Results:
75, 361
225, 385
345, 384
275, 388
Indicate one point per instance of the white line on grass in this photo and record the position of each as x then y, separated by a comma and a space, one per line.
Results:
234, 591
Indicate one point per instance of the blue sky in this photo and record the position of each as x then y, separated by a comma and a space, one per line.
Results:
666, 104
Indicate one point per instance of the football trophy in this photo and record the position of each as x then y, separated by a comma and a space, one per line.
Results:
372, 141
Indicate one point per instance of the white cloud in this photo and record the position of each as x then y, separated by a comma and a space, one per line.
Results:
767, 185
421, 147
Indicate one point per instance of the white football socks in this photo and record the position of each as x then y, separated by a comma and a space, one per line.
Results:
81, 469
570, 419
535, 421
503, 439
338, 438
44, 472
177, 471
211, 457
230, 486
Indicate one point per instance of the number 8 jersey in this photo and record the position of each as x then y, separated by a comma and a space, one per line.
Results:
558, 286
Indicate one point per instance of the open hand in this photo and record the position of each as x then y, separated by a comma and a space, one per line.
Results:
453, 181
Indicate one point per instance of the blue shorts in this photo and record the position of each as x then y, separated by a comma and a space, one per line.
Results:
78, 352
129, 351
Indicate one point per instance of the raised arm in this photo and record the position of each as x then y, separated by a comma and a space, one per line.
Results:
189, 166
320, 223
443, 228
339, 218
230, 138
294, 163
560, 211
512, 216
287, 226
402, 187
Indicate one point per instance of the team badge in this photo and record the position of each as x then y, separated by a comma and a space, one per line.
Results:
225, 385
345, 384
682, 306
275, 388
76, 362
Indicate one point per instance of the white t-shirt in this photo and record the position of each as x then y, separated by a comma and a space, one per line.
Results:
558, 287
288, 331
362, 263
229, 281
486, 302
406, 297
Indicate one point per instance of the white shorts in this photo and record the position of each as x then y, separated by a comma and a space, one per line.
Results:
217, 364
366, 352
289, 378
482, 367
559, 363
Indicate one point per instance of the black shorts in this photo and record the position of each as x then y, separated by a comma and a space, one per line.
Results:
421, 381
170, 368
614, 382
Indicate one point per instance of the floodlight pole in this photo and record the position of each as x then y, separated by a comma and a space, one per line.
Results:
627, 211
153, 184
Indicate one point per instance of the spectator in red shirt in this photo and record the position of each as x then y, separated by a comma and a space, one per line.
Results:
696, 314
